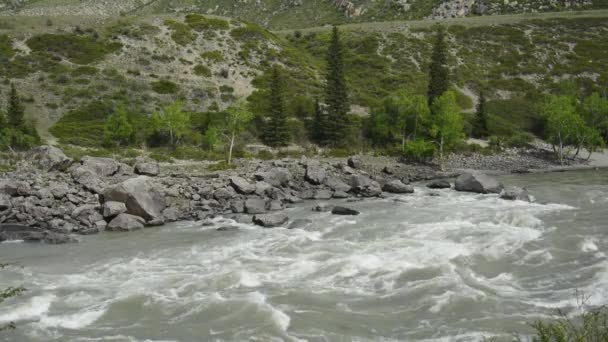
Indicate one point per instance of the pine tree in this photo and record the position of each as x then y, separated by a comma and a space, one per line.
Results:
276, 132
481, 119
438, 73
319, 125
336, 93
15, 109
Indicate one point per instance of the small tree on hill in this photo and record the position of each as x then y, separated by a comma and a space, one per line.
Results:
319, 125
480, 126
172, 120
236, 121
336, 93
439, 80
276, 132
117, 129
562, 123
15, 111
447, 128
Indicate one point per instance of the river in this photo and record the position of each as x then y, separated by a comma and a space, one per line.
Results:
452, 267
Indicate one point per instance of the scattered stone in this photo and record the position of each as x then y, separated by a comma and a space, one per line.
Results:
255, 206
338, 210
125, 223
270, 220
140, 197
439, 184
237, 207
88, 179
340, 194
299, 223
355, 162
171, 214
111, 209
49, 158
104, 167
397, 187
276, 177
478, 182
242, 186
5, 202
275, 205
58, 190
322, 207
146, 166
389, 170
336, 184
228, 229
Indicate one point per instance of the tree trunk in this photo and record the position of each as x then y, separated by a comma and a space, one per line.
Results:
403, 142
230, 151
441, 161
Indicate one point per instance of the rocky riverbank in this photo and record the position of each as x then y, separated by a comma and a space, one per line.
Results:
51, 198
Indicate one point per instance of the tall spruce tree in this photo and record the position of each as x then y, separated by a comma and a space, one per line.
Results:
276, 132
336, 93
15, 110
439, 80
480, 127
319, 125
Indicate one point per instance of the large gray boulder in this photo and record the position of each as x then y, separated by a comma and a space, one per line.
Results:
397, 187
315, 173
276, 177
478, 182
439, 184
5, 202
242, 186
88, 179
125, 223
111, 209
255, 206
270, 220
336, 184
355, 162
104, 167
365, 186
146, 166
49, 158
59, 189
140, 197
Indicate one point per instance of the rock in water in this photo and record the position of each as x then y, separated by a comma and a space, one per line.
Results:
516, 194
439, 184
365, 186
397, 187
478, 182
49, 158
337, 210
140, 197
125, 223
270, 220
299, 223
242, 186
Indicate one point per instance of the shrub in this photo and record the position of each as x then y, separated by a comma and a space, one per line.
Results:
520, 139
164, 87
590, 326
79, 49
496, 143
182, 33
419, 151
202, 70
220, 166
200, 23
250, 32
213, 56
265, 155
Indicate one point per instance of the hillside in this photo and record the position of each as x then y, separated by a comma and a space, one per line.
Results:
79, 67
276, 14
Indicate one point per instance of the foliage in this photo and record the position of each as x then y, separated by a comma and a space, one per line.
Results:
419, 150
520, 139
15, 132
480, 125
438, 70
117, 129
591, 326
164, 87
200, 23
250, 32
202, 70
182, 33
79, 49
336, 93
213, 56
173, 121
6, 294
15, 110
233, 124
562, 123
447, 127
276, 130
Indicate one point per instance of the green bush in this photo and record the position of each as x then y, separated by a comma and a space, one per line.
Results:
161, 157
520, 139
419, 151
164, 87
220, 166
201, 23
265, 155
202, 70
250, 32
182, 33
213, 56
83, 126
591, 326
79, 49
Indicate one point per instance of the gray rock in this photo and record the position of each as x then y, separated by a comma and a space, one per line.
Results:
237, 207
228, 229
125, 222
299, 223
112, 208
397, 187
255, 206
439, 184
224, 194
322, 207
516, 194
275, 205
315, 173
478, 182
58, 190
355, 162
140, 196
104, 167
389, 170
49, 158
365, 186
146, 167
338, 210
336, 184
340, 194
276, 177
322, 194
29, 234
262, 188
270, 220
5, 202
242, 186
88, 179
171, 214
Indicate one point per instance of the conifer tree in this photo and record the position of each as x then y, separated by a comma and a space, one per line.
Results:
438, 72
15, 109
276, 133
319, 125
336, 93
481, 119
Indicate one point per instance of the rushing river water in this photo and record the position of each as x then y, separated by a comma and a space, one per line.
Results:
453, 267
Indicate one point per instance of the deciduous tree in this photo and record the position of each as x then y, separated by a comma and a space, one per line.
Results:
447, 128
173, 120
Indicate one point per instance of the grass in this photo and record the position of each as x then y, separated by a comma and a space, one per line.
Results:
79, 49
164, 87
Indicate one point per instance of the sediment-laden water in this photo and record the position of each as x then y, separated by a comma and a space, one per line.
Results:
453, 267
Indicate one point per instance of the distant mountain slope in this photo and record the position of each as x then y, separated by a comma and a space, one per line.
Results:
282, 14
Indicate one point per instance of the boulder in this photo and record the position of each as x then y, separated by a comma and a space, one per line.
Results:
397, 187
270, 220
87, 215
365, 186
322, 207
322, 194
299, 223
125, 223
338, 210
10, 232
224, 194
146, 167
315, 174
242, 186
340, 194
49, 158
237, 207
255, 206
439, 184
88, 179
111, 209
275, 205
516, 194
478, 182
5, 202
336, 184
140, 197
103, 167
171, 214
355, 162
58, 190
276, 177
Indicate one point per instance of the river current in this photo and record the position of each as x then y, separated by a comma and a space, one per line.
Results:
437, 265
